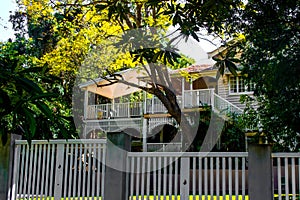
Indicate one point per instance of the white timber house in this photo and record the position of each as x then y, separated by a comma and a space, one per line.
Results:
146, 117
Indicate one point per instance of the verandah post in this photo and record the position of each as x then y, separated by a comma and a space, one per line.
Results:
118, 144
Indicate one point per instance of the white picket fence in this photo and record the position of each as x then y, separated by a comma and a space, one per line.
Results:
286, 176
197, 176
174, 175
59, 169
75, 169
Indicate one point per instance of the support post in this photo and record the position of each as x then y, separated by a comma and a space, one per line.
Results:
182, 91
112, 112
145, 102
260, 172
86, 103
118, 144
212, 98
144, 132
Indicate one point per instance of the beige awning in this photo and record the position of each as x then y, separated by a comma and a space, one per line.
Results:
118, 89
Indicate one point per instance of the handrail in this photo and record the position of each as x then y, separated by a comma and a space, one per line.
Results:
223, 105
173, 146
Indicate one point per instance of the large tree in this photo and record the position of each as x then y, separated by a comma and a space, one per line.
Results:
137, 28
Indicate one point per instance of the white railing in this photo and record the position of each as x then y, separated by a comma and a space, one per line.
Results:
107, 111
191, 99
223, 106
101, 111
187, 176
154, 105
214, 175
57, 169
286, 170
164, 147
131, 109
197, 98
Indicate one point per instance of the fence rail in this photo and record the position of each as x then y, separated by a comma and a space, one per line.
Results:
164, 147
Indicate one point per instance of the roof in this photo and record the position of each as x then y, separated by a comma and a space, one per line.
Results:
195, 68
136, 76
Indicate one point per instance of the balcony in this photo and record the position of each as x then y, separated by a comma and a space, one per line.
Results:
191, 99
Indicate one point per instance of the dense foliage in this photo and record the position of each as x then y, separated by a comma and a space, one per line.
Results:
32, 101
271, 59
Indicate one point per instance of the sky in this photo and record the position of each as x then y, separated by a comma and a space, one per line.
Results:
6, 31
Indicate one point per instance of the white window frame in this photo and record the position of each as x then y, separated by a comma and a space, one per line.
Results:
237, 79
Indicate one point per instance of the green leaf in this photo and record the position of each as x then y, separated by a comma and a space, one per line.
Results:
42, 96
33, 70
221, 67
231, 66
45, 109
195, 36
216, 59
28, 85
218, 75
5, 103
31, 120
101, 7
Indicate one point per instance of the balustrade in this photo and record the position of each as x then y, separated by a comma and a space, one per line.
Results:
189, 99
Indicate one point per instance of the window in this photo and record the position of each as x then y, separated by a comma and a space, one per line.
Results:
237, 85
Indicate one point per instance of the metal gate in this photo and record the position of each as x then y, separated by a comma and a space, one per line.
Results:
58, 168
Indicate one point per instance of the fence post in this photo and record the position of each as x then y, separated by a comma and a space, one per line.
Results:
8, 188
260, 172
184, 177
59, 171
118, 144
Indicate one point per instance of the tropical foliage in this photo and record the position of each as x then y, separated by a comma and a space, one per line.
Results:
32, 102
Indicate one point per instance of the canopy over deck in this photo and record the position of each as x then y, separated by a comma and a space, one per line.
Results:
99, 85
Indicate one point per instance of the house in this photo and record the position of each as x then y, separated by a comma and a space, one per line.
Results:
146, 118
